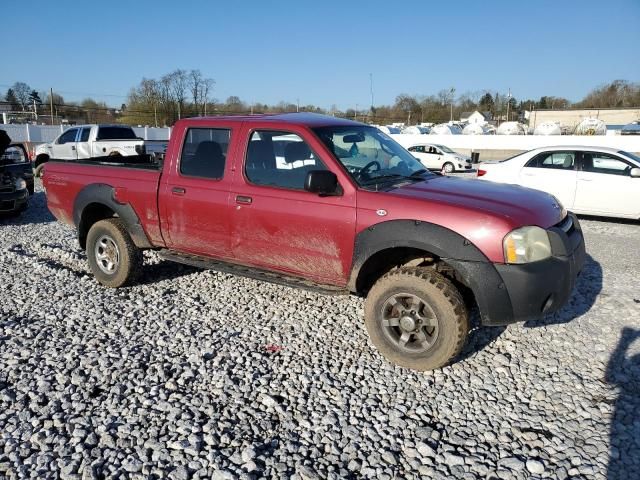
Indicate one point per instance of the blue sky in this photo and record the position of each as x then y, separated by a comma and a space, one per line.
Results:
322, 52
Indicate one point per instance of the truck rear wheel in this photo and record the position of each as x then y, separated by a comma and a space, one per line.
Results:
113, 257
416, 318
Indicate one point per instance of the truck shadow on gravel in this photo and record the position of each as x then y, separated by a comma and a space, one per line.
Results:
623, 374
36, 212
164, 270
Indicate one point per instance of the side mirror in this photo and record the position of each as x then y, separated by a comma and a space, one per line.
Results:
635, 172
322, 182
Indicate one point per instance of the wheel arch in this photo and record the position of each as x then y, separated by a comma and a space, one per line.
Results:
390, 244
41, 158
96, 202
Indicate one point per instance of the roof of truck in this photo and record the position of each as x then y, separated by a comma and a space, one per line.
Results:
306, 119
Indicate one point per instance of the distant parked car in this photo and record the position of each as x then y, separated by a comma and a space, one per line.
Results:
89, 141
439, 157
589, 180
16, 177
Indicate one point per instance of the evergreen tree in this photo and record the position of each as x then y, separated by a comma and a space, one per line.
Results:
10, 98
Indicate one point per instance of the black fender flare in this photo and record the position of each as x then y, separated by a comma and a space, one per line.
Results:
103, 194
476, 270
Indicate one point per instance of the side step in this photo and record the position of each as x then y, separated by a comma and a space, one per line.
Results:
251, 272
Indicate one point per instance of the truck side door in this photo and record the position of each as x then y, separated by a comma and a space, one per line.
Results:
194, 192
83, 146
277, 224
64, 147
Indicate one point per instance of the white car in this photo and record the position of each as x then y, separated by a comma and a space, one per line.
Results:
88, 141
439, 157
588, 180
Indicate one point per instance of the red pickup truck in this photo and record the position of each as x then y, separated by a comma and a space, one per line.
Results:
333, 205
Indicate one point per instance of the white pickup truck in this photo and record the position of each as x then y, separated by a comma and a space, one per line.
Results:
87, 141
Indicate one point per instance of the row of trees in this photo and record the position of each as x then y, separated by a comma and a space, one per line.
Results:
162, 101
23, 98
183, 93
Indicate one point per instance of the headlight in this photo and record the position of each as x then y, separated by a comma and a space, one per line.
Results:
526, 245
20, 184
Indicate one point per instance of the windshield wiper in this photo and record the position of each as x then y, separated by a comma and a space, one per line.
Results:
384, 177
417, 173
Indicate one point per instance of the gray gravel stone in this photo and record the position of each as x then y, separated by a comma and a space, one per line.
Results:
534, 466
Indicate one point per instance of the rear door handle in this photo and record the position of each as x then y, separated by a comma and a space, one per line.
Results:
73, 147
586, 179
178, 191
243, 199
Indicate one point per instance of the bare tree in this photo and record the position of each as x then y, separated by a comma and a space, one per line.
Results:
22, 91
179, 83
205, 90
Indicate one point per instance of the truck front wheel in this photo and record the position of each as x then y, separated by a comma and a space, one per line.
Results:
113, 257
416, 318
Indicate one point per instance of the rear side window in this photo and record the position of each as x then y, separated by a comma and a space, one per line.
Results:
279, 159
84, 135
554, 160
204, 152
116, 133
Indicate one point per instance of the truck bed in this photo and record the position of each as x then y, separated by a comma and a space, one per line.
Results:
129, 180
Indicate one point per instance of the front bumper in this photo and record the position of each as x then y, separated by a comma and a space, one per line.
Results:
517, 293
14, 201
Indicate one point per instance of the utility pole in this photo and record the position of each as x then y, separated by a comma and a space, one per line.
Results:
155, 113
508, 102
35, 108
355, 114
451, 92
297, 104
51, 103
371, 89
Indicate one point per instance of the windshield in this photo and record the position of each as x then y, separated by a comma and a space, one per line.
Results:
630, 155
373, 159
445, 149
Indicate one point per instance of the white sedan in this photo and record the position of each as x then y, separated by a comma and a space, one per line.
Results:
588, 180
439, 157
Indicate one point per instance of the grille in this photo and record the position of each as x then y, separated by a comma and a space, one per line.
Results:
7, 189
7, 205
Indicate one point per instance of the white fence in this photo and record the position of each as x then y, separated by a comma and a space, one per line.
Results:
630, 143
48, 133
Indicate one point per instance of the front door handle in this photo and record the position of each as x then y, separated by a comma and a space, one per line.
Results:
244, 199
73, 147
178, 191
586, 179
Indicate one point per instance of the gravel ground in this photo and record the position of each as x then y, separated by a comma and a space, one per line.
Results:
196, 374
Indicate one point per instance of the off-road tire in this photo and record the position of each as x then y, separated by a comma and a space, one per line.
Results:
129, 263
444, 300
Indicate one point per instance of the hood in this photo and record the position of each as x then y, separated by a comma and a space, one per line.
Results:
519, 205
5, 141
